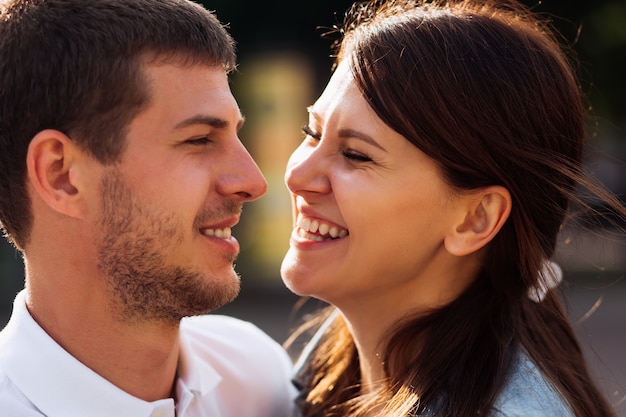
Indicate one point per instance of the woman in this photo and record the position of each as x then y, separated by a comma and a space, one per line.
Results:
438, 167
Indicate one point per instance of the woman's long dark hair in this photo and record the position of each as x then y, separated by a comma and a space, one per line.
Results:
485, 89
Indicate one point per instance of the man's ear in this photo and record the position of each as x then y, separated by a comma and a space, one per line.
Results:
51, 164
485, 212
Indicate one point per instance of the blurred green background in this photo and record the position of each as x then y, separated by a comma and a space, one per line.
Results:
284, 63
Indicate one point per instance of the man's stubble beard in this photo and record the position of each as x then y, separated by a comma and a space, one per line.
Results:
132, 256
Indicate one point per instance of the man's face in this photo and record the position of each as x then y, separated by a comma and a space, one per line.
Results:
168, 206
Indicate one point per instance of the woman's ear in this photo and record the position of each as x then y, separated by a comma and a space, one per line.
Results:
484, 213
51, 164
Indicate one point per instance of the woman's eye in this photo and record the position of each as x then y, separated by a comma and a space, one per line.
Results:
309, 132
358, 157
354, 156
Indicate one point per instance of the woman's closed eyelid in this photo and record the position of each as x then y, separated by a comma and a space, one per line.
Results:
356, 156
348, 154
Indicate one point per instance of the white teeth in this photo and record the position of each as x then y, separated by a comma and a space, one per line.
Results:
224, 233
335, 232
318, 230
311, 236
306, 224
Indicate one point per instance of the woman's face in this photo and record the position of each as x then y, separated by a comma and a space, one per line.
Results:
371, 210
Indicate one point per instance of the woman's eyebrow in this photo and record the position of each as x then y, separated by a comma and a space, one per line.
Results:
349, 133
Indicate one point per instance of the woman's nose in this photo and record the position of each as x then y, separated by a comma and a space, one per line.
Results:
306, 171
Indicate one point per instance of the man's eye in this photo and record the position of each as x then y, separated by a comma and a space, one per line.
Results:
199, 141
358, 157
309, 132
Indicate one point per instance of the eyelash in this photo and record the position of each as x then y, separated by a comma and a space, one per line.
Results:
357, 157
308, 132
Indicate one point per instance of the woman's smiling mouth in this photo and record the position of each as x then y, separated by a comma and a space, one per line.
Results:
319, 230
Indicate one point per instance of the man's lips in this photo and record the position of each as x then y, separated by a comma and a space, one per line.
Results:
222, 229
223, 233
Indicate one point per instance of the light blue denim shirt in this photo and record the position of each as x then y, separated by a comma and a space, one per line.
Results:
526, 392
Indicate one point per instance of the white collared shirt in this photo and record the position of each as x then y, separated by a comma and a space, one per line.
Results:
227, 367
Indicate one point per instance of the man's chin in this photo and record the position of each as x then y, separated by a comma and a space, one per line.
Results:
219, 292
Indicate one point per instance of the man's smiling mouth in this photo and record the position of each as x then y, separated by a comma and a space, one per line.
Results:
224, 233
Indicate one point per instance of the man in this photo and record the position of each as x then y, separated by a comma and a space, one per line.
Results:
121, 176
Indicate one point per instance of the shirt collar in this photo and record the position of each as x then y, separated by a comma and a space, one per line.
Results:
196, 377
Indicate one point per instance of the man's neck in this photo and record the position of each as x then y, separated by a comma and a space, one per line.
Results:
140, 358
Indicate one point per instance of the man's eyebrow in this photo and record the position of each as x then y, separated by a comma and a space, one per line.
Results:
215, 122
350, 133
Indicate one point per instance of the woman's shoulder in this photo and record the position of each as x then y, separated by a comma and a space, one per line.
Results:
528, 393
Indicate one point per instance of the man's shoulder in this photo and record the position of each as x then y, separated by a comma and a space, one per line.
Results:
222, 328
217, 335
238, 354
